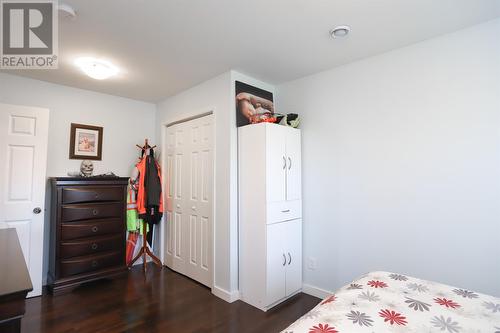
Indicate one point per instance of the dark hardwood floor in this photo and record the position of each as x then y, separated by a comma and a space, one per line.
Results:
162, 301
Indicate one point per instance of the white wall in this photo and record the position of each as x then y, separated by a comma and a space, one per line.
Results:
401, 163
126, 123
212, 95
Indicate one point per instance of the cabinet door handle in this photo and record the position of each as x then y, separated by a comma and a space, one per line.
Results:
284, 259
284, 163
289, 163
289, 258
286, 211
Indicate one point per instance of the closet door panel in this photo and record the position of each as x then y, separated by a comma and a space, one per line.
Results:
294, 165
169, 197
276, 263
199, 200
294, 256
276, 163
180, 219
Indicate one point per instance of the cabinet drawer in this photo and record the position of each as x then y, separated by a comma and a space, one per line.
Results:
91, 211
284, 211
88, 194
80, 247
91, 228
85, 264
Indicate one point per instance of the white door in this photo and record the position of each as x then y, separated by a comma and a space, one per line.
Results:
176, 190
294, 256
23, 160
276, 163
276, 262
293, 152
189, 237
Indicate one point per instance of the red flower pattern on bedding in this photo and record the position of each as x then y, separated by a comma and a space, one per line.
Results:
329, 300
377, 284
320, 328
381, 301
393, 317
447, 302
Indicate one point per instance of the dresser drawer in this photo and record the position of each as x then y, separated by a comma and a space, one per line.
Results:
284, 211
91, 211
81, 247
91, 194
91, 228
85, 264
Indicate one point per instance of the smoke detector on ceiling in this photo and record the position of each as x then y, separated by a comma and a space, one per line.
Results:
340, 31
66, 11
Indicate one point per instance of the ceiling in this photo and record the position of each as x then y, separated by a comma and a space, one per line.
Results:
166, 46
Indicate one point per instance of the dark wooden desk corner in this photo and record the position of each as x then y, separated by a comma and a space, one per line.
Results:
15, 282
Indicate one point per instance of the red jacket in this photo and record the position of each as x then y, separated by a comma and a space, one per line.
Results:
141, 193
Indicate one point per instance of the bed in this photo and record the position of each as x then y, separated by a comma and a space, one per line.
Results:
381, 302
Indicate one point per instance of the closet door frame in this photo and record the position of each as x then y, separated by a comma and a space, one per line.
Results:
166, 174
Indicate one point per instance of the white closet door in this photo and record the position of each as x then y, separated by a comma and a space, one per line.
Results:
178, 219
189, 186
276, 262
199, 200
276, 163
293, 152
294, 256
23, 160
168, 188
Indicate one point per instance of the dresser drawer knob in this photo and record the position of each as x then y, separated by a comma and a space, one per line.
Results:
94, 263
95, 212
94, 246
95, 229
96, 195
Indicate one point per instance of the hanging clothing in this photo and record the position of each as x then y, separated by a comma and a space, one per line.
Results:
134, 223
149, 194
131, 244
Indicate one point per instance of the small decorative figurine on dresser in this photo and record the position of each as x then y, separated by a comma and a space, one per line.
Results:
86, 168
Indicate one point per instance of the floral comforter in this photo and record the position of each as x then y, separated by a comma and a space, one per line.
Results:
381, 302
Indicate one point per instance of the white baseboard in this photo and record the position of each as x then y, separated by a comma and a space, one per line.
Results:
229, 297
315, 291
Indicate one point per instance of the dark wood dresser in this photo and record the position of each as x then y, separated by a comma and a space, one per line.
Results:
88, 226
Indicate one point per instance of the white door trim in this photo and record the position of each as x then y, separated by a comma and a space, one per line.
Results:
164, 131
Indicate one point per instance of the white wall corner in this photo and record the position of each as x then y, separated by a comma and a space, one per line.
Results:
315, 291
228, 296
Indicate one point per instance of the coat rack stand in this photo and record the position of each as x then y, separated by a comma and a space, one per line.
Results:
145, 251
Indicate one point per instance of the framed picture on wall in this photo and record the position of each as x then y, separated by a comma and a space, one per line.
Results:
253, 104
85, 142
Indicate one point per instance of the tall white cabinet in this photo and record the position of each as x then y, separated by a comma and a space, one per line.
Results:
270, 214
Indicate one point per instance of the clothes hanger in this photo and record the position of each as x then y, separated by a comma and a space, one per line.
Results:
145, 251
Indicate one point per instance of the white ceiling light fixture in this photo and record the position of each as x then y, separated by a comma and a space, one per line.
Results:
66, 11
97, 68
340, 31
